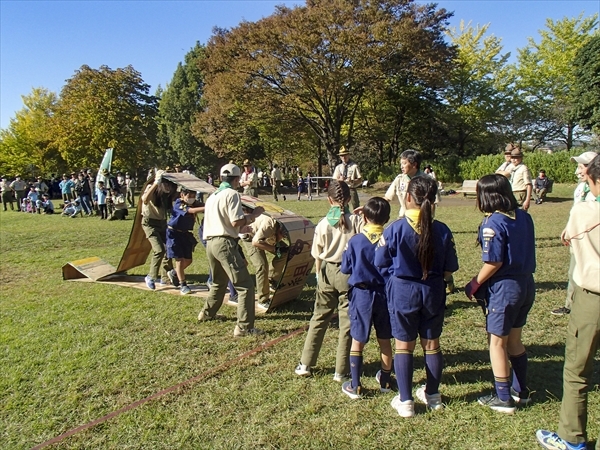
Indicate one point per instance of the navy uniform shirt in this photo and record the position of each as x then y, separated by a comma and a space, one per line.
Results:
509, 239
396, 253
180, 219
357, 261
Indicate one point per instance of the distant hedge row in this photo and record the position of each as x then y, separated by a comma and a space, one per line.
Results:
558, 167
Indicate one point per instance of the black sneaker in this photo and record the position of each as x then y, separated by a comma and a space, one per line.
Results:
520, 398
560, 311
173, 277
492, 401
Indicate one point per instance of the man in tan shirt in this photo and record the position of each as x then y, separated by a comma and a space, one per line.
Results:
348, 172
249, 180
520, 179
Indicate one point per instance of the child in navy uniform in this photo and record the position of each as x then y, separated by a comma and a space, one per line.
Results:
101, 195
414, 255
332, 234
508, 252
180, 239
366, 297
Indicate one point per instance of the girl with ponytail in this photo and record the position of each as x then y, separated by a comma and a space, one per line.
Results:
332, 234
414, 255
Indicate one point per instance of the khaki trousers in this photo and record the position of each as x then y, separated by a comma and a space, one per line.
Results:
332, 293
226, 263
156, 232
583, 339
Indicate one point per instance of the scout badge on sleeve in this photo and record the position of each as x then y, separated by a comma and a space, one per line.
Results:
488, 234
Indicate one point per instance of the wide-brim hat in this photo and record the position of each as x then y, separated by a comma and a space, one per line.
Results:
516, 153
343, 151
230, 170
247, 163
585, 158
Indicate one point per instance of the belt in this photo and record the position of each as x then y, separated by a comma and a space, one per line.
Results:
587, 291
369, 286
175, 229
334, 263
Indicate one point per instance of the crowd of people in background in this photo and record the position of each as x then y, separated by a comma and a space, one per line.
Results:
79, 194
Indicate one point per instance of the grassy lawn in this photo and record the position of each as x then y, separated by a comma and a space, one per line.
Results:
73, 352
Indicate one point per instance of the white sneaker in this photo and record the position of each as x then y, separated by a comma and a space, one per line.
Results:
433, 401
341, 377
238, 332
302, 370
405, 409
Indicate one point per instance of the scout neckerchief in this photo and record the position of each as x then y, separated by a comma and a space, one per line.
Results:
412, 217
224, 185
373, 232
335, 213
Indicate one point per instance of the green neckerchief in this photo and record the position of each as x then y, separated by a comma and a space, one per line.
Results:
224, 185
412, 217
335, 213
598, 198
373, 232
586, 189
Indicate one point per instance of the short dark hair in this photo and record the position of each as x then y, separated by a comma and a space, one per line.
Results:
228, 179
377, 210
494, 193
593, 169
413, 157
542, 171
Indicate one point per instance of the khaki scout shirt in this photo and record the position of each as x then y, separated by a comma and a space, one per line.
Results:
221, 209
520, 178
150, 211
583, 230
264, 229
399, 187
251, 177
348, 173
330, 242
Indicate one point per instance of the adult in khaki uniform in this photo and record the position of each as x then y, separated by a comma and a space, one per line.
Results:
7, 194
249, 180
410, 165
157, 199
276, 181
223, 218
582, 234
266, 235
520, 179
348, 171
19, 187
506, 167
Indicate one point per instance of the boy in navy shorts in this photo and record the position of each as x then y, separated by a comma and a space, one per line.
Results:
507, 239
367, 301
180, 239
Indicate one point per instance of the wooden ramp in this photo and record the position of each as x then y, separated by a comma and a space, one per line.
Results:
298, 232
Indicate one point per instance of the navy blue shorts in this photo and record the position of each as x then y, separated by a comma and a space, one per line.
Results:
368, 307
416, 308
508, 303
180, 245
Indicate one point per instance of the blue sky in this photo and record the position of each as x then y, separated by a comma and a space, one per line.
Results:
42, 43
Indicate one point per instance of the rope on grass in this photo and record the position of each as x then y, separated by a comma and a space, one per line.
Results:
206, 374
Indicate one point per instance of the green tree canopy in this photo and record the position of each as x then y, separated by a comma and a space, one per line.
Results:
315, 63
546, 79
587, 85
101, 108
25, 146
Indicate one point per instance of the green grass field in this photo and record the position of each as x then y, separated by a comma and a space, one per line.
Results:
72, 352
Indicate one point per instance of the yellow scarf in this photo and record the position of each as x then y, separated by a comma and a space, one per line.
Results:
412, 217
372, 232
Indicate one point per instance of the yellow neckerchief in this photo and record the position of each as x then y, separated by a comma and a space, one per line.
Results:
373, 232
510, 214
412, 217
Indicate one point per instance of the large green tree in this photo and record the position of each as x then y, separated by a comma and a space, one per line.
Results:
546, 79
315, 63
179, 103
26, 145
101, 108
587, 85
478, 94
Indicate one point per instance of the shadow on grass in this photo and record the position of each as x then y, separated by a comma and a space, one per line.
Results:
550, 286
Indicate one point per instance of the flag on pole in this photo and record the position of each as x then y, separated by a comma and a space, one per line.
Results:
105, 164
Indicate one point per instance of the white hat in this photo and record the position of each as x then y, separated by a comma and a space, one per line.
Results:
230, 170
584, 158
